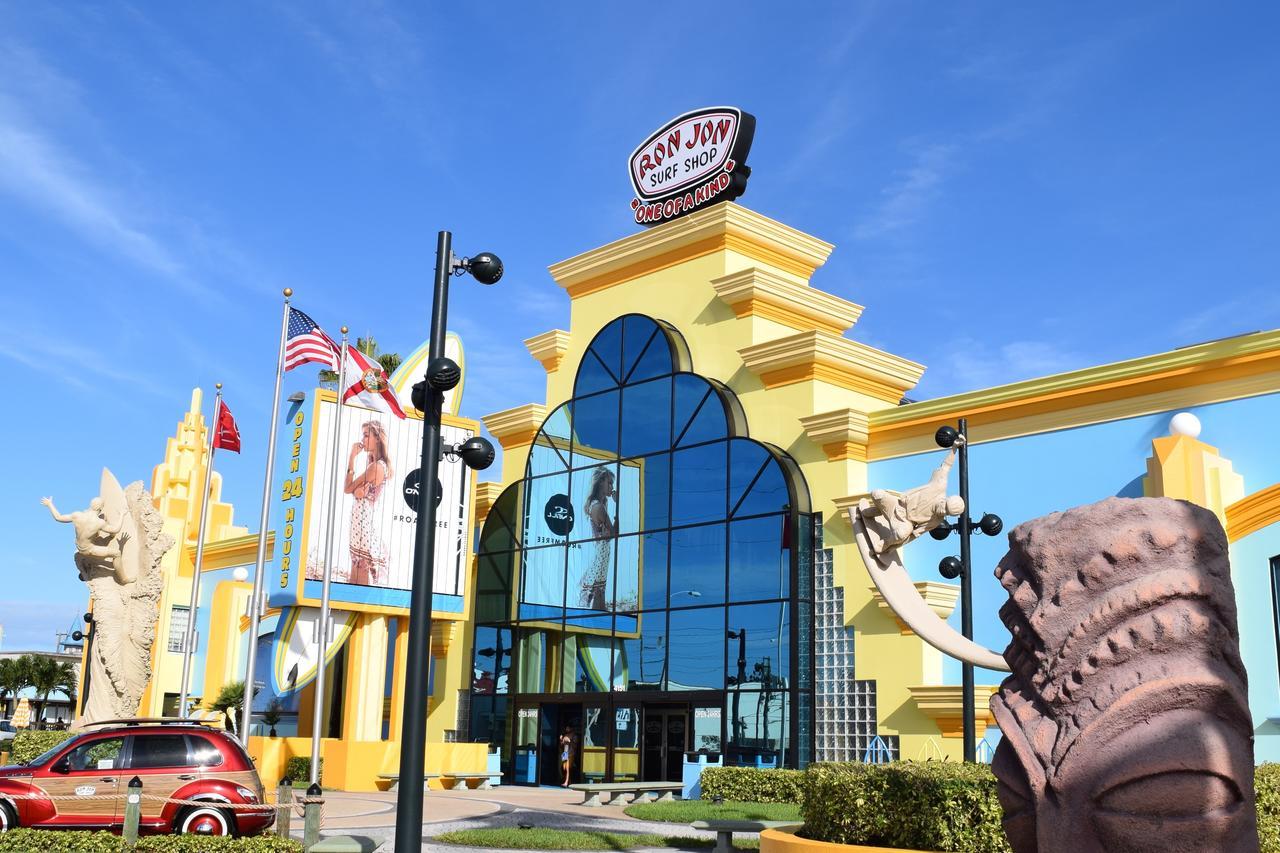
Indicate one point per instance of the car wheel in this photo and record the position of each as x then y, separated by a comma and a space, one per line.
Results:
8, 818
203, 820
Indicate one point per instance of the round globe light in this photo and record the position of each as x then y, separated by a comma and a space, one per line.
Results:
240, 573
1185, 423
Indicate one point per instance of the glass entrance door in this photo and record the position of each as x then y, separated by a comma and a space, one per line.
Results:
663, 744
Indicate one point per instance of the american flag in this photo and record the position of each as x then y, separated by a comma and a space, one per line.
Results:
307, 342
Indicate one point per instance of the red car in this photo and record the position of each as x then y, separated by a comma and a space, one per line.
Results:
174, 759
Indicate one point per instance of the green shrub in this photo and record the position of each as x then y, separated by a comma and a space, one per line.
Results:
932, 805
30, 744
298, 769
50, 841
751, 785
1266, 782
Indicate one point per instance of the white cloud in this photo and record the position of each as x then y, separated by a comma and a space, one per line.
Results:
906, 199
74, 363
965, 364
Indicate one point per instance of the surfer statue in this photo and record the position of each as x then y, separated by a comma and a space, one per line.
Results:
119, 543
893, 519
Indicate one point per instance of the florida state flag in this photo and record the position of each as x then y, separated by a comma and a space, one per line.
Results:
226, 435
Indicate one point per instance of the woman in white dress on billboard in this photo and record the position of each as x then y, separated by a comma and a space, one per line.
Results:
368, 551
603, 530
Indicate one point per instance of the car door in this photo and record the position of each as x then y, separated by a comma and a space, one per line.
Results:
84, 784
163, 764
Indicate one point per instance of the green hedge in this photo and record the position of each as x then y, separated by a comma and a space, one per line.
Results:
29, 744
749, 785
49, 841
932, 805
1266, 781
298, 769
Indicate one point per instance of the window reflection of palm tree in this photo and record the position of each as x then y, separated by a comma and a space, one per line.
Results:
604, 528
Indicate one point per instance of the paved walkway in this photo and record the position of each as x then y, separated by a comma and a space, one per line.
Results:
373, 815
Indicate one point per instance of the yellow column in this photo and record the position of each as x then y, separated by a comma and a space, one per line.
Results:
366, 675
1182, 466
397, 679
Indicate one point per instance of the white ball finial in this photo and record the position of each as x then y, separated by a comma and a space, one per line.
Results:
240, 573
1185, 423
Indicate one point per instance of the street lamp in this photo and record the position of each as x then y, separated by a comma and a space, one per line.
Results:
952, 567
428, 396
741, 636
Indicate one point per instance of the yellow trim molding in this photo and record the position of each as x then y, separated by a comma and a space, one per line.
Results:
842, 434
941, 598
1253, 512
758, 292
944, 704
720, 227
1243, 366
516, 427
825, 357
486, 496
549, 348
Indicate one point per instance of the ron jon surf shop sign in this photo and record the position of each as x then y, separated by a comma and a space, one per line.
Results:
692, 161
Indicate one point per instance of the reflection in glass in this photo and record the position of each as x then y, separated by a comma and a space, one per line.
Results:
646, 417
642, 662
698, 484
494, 574
706, 728
758, 728
649, 552
759, 567
492, 660
542, 583
626, 743
499, 531
489, 721
656, 494
756, 480
763, 660
699, 413
586, 662
531, 662
595, 429
695, 634
697, 565
549, 514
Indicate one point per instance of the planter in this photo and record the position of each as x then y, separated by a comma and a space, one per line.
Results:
784, 841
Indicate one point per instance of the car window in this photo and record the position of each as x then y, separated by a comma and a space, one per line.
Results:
158, 751
101, 754
6, 726
206, 754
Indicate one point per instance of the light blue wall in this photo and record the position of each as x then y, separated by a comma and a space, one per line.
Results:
1024, 478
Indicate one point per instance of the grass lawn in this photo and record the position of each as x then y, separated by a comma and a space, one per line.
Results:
512, 838
687, 811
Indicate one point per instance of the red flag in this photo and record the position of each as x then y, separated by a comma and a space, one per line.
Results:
226, 435
371, 388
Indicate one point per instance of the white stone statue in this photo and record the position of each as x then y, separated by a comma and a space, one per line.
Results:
119, 543
892, 519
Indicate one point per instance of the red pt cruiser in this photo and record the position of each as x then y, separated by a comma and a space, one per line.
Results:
81, 783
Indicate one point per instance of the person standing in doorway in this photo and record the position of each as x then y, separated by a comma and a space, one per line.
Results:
567, 743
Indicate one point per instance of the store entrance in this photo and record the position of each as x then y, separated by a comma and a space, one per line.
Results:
663, 742
552, 719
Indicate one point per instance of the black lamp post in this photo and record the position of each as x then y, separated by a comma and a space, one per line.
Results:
951, 568
738, 729
428, 396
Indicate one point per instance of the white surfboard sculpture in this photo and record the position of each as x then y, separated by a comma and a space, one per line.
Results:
894, 583
296, 648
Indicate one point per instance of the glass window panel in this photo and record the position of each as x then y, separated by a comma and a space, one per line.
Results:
494, 573
556, 434
550, 517
595, 429
489, 721
625, 594
587, 661
759, 567
630, 495
542, 580
499, 531
547, 457
592, 376
755, 489
640, 335
646, 417
626, 744
648, 553
642, 654
706, 728
697, 565
689, 392
594, 492
706, 419
654, 361
531, 661
757, 727
527, 728
655, 494
607, 345
698, 629
698, 484
492, 660
761, 659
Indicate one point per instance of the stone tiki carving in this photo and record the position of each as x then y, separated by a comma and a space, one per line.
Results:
1126, 720
120, 541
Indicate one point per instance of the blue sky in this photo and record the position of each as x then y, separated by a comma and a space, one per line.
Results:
1012, 190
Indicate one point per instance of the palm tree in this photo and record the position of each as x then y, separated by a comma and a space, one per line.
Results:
47, 675
228, 700
369, 346
13, 678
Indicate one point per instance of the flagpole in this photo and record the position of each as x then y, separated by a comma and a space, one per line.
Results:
317, 713
188, 641
255, 605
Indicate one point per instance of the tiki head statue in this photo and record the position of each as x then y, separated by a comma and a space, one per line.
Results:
1126, 718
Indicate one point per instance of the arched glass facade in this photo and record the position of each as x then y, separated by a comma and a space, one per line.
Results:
648, 582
